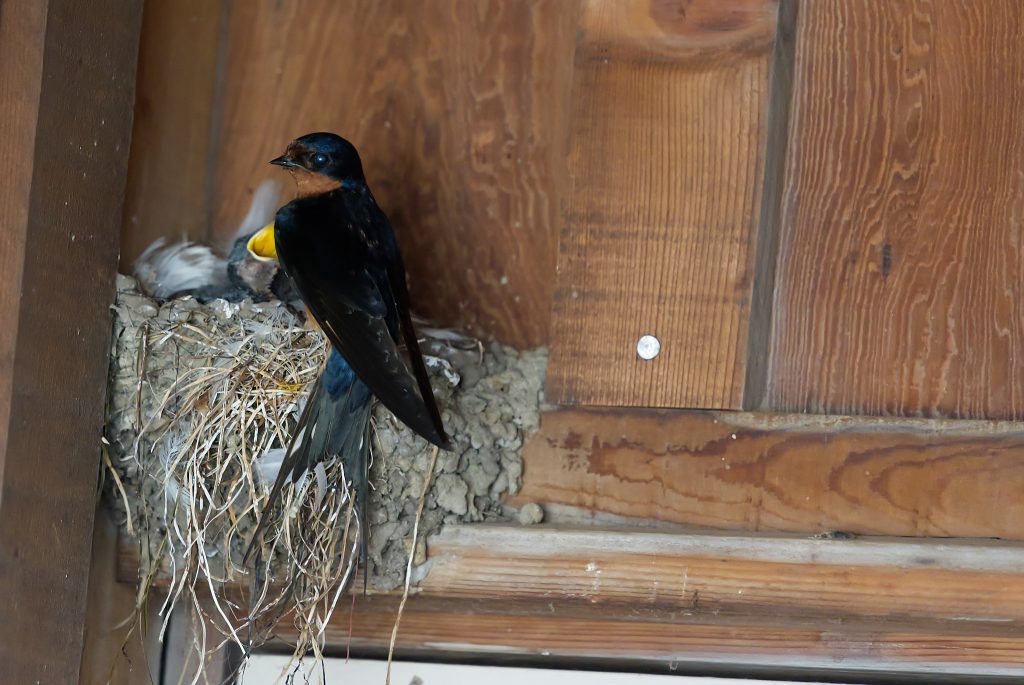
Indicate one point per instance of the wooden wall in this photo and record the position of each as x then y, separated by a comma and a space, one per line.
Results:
815, 205
460, 110
168, 183
669, 106
818, 213
842, 236
902, 287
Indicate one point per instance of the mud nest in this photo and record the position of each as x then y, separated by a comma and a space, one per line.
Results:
201, 403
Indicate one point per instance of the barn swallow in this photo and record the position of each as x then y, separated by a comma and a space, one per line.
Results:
339, 250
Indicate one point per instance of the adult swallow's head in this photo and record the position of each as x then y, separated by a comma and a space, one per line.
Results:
321, 162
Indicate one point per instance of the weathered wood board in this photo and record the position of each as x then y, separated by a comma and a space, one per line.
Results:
900, 287
765, 472
668, 138
66, 93
669, 601
678, 602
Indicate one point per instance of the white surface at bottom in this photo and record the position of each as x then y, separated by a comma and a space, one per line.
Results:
269, 670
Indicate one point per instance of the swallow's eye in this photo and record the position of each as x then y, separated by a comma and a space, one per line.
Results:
319, 160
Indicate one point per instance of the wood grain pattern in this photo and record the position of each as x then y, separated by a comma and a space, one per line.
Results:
740, 574
680, 645
22, 29
460, 111
671, 600
168, 173
901, 290
666, 164
765, 472
65, 231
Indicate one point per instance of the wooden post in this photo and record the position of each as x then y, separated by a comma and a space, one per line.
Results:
66, 93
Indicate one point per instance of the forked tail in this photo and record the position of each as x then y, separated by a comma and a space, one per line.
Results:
334, 423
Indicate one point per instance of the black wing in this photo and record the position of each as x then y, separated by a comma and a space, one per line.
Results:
396, 279
343, 278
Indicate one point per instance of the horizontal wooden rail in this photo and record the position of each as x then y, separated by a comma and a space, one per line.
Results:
652, 599
779, 472
798, 577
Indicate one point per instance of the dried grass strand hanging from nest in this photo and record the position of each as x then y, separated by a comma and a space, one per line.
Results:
408, 568
203, 399
204, 447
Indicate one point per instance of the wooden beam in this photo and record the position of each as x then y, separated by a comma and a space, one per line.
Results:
765, 472
66, 91
665, 600
22, 30
668, 600
803, 577
903, 286
169, 172
681, 644
667, 160
460, 110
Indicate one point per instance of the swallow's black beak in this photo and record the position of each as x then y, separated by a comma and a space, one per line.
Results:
284, 161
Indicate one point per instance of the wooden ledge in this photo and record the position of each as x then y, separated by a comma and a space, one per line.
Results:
951, 580
660, 599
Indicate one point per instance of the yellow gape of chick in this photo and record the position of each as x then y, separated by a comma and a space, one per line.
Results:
261, 245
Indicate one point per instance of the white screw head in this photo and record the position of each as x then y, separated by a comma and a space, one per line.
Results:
648, 347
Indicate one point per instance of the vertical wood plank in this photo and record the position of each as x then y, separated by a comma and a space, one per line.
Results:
459, 109
22, 29
669, 104
111, 656
901, 285
169, 169
80, 68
